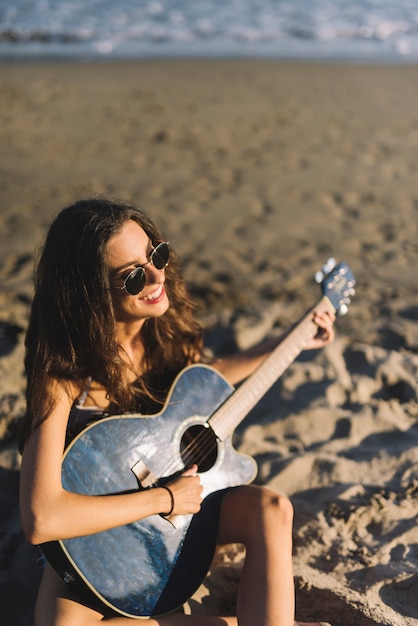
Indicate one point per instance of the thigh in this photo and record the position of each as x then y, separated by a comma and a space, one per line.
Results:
57, 606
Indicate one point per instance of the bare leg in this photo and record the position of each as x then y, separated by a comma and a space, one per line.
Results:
178, 620
55, 606
261, 520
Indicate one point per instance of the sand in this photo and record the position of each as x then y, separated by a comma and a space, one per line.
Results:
257, 172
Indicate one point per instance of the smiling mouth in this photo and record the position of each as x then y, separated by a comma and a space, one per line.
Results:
154, 295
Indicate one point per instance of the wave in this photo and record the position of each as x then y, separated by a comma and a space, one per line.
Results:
252, 27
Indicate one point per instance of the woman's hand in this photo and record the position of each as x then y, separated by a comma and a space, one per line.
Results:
325, 323
187, 492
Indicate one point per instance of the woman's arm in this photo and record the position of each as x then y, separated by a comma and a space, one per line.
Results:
239, 366
49, 512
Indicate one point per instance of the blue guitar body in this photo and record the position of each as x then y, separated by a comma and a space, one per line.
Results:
131, 569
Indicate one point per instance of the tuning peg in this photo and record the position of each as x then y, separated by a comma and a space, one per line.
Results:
326, 269
343, 310
329, 265
319, 277
348, 293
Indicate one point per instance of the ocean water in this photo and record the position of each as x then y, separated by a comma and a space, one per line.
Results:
356, 30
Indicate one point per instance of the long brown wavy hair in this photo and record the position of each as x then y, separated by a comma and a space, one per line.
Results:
72, 327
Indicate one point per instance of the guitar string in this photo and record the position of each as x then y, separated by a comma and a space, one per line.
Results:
204, 444
188, 454
247, 396
201, 447
195, 450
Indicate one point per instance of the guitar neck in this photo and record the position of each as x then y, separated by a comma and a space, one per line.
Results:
238, 405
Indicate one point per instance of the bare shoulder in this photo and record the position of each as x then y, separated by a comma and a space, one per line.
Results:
60, 397
63, 393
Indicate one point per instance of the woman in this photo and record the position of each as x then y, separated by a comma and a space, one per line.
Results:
110, 328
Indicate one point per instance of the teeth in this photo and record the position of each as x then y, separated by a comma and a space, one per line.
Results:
154, 295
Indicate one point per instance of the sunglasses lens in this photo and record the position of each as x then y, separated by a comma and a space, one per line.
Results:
135, 282
160, 256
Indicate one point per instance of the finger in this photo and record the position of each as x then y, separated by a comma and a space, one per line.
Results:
324, 320
191, 471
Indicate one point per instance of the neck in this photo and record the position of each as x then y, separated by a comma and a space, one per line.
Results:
132, 348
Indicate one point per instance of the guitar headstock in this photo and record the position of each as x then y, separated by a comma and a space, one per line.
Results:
337, 282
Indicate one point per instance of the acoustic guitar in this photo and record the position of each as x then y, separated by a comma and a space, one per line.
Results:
135, 570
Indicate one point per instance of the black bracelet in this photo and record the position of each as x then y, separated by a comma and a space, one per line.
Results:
172, 501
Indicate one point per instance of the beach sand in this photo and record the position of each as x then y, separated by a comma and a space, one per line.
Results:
257, 172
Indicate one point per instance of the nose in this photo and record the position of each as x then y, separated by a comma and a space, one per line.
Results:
152, 274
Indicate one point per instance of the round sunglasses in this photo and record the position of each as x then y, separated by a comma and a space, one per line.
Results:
135, 280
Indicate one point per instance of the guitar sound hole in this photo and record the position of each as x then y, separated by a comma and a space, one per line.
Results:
199, 445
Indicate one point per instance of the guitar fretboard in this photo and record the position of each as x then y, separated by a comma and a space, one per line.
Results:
233, 411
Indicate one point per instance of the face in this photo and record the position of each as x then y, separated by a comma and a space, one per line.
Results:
127, 250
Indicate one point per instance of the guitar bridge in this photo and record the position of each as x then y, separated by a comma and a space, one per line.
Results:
143, 474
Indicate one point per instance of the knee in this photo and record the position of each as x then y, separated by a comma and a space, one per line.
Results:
276, 509
269, 511
270, 522
250, 509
